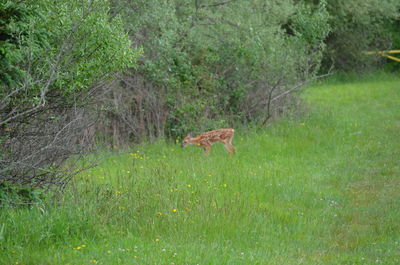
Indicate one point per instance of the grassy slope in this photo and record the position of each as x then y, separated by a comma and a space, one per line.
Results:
320, 189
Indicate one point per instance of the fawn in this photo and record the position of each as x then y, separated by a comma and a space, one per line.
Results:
206, 139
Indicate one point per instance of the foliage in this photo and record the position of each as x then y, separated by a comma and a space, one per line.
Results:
261, 57
54, 54
394, 28
215, 64
359, 26
14, 21
82, 47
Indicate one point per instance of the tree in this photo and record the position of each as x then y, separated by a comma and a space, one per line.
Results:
56, 53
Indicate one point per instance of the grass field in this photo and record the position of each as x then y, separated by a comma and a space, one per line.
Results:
319, 187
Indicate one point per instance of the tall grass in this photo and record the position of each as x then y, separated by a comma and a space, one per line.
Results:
317, 188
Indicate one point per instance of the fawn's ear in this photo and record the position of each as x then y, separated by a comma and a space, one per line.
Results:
190, 134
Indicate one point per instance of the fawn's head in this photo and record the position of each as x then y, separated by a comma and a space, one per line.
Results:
186, 140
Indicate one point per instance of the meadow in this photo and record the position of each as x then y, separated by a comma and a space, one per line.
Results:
320, 186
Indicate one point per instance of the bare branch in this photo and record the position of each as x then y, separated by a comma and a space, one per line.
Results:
300, 85
216, 4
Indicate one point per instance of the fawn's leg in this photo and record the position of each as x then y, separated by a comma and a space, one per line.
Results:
230, 148
207, 148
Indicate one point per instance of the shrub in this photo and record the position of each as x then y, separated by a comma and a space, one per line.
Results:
55, 54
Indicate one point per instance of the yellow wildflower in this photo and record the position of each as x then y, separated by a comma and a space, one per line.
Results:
174, 210
80, 247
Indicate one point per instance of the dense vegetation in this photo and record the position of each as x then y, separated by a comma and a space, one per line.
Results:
320, 187
75, 74
53, 55
315, 187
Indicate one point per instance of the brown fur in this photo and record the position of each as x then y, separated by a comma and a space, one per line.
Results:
205, 140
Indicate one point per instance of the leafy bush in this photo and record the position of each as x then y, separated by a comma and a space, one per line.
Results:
55, 53
211, 65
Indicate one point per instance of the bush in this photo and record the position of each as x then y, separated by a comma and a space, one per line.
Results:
209, 65
55, 53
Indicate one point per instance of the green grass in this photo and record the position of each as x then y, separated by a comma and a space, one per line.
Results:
318, 188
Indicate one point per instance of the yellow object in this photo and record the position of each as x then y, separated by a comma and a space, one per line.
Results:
385, 54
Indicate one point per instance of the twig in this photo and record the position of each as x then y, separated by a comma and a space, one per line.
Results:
217, 4
300, 85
